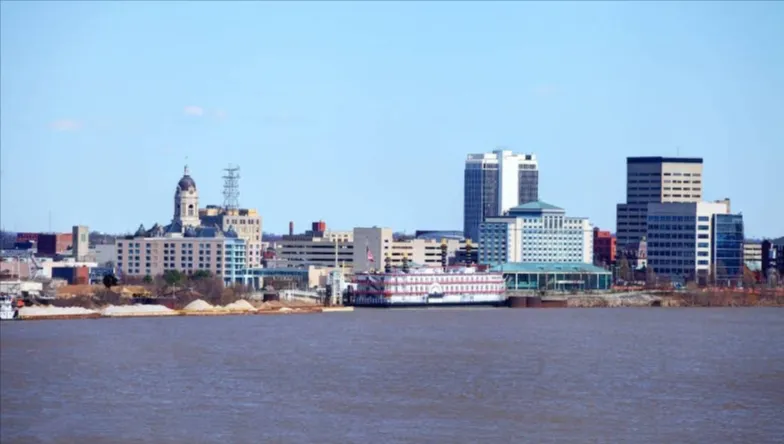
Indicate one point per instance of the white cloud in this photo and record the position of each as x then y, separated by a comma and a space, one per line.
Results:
65, 125
193, 110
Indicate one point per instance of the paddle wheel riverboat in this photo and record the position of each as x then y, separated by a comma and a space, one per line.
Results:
428, 286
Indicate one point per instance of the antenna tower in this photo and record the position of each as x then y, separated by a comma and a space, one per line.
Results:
231, 188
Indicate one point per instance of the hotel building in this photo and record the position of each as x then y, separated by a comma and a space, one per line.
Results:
186, 245
221, 255
536, 232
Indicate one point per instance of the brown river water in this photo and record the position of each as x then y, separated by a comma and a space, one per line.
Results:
399, 376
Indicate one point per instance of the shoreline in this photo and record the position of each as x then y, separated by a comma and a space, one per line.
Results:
631, 299
561, 304
178, 313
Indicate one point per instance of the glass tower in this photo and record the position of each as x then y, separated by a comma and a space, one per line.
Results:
494, 183
727, 248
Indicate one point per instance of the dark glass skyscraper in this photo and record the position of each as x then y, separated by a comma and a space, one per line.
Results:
728, 248
494, 183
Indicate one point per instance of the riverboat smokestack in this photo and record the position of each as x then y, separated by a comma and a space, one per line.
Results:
444, 248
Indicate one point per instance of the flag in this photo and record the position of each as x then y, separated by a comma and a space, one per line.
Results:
369, 254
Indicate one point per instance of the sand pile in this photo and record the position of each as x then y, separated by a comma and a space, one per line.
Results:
199, 305
137, 310
48, 310
241, 305
270, 305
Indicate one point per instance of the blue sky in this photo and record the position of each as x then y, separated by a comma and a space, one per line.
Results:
362, 113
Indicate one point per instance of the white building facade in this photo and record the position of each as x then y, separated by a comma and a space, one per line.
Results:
679, 238
494, 183
536, 232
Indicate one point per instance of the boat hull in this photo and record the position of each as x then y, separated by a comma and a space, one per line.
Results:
429, 305
427, 301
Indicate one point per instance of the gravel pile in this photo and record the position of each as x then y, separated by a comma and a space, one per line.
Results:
48, 310
241, 305
199, 305
137, 310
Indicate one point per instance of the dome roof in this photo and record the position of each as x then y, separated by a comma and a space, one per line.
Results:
186, 181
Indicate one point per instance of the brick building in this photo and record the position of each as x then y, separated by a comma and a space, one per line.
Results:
48, 244
604, 245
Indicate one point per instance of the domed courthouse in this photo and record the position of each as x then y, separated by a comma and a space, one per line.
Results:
225, 241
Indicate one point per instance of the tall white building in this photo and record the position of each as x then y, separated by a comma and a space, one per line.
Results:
680, 238
81, 242
494, 183
536, 232
654, 180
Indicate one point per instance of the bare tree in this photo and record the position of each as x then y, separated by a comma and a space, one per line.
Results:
623, 268
721, 278
749, 280
651, 280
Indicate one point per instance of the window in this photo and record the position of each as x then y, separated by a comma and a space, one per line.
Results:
703, 218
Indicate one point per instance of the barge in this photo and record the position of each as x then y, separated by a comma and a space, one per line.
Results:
429, 287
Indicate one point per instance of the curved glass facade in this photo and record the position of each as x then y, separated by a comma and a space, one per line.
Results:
480, 197
728, 247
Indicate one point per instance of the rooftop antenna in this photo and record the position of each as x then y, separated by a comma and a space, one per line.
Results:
678, 150
231, 188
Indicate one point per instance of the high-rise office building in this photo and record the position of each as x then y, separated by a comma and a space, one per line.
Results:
494, 183
654, 180
692, 241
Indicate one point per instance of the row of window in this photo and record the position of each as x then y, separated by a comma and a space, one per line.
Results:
671, 227
653, 218
689, 235
632, 174
682, 189
683, 181
689, 245
683, 174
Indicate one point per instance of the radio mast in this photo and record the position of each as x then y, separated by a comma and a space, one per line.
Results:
231, 188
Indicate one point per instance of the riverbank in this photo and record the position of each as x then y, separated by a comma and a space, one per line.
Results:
677, 299
195, 308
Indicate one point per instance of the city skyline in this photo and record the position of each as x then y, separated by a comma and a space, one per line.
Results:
95, 126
